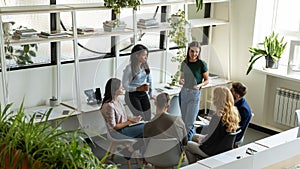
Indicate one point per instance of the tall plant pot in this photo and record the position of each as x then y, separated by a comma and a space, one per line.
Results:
270, 63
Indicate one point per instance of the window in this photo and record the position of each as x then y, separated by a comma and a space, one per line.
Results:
283, 17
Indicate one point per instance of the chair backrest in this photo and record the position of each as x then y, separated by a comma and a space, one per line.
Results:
238, 143
298, 117
227, 142
162, 152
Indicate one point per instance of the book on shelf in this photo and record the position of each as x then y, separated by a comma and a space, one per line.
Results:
20, 37
53, 36
85, 29
25, 32
148, 22
54, 33
147, 27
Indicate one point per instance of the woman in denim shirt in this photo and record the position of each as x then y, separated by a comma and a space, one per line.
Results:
137, 82
194, 75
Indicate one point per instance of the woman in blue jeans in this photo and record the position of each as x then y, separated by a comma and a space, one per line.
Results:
114, 113
194, 75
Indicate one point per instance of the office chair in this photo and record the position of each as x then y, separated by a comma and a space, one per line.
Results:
238, 143
115, 142
227, 142
163, 153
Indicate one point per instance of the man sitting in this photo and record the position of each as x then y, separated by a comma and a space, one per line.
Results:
164, 125
238, 91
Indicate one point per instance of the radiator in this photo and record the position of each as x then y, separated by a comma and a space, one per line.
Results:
287, 102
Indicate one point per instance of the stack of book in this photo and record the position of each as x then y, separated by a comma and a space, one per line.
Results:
147, 23
53, 34
83, 30
25, 34
114, 26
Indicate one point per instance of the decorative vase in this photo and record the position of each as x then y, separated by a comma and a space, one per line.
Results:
271, 64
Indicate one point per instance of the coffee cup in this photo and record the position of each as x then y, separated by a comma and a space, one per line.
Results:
7, 28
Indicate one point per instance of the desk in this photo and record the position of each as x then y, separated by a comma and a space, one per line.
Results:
56, 113
90, 119
158, 88
195, 166
230, 156
280, 138
278, 154
278, 151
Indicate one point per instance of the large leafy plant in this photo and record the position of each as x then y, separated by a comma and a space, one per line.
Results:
118, 4
273, 48
178, 35
40, 144
22, 55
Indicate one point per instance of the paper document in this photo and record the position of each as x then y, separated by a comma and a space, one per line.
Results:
205, 121
140, 122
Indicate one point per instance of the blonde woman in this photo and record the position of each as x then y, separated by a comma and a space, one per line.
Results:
223, 122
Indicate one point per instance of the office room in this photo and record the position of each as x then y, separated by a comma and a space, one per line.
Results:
55, 77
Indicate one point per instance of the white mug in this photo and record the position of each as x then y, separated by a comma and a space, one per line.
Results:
7, 28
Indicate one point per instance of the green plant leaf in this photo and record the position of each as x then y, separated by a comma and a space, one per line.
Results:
32, 53
26, 48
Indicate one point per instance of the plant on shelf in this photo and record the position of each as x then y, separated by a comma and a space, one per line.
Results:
272, 50
199, 4
21, 55
177, 34
25, 143
116, 5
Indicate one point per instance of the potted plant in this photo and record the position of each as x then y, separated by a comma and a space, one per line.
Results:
178, 35
117, 4
40, 145
53, 101
272, 50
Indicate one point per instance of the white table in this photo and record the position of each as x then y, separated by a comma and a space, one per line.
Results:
280, 138
231, 156
195, 166
272, 157
56, 113
90, 119
270, 152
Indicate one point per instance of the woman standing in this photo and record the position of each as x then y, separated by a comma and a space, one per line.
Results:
224, 121
194, 75
114, 113
137, 82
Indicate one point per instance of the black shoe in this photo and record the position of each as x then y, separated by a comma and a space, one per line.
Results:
126, 154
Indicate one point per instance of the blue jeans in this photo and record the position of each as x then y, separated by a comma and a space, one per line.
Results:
135, 131
189, 100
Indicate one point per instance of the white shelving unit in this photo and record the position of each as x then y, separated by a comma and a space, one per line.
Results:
74, 37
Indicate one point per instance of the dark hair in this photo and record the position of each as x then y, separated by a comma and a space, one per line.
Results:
192, 44
162, 100
112, 85
135, 53
239, 88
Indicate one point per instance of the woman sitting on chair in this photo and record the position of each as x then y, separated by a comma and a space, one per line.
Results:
223, 122
114, 113
116, 119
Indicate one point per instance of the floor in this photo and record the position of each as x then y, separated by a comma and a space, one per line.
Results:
100, 146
